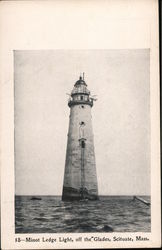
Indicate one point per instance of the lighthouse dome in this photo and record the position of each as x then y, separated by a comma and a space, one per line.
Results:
80, 82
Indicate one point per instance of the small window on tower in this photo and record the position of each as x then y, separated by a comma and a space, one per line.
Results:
81, 97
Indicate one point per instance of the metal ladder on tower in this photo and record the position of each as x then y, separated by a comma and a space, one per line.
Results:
82, 168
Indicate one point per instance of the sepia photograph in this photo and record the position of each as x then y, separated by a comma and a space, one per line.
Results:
82, 141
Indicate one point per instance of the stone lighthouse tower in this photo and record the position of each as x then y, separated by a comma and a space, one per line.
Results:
80, 180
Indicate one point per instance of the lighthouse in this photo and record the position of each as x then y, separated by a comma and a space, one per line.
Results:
80, 178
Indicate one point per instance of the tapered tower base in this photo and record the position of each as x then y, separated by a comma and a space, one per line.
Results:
71, 194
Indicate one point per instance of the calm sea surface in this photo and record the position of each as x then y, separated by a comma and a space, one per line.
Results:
110, 213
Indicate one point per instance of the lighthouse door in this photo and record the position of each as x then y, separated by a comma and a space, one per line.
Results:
83, 144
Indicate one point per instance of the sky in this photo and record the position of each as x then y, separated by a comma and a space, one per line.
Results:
120, 117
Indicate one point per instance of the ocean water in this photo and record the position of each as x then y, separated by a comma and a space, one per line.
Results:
109, 213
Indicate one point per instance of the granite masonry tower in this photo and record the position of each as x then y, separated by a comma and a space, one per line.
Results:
80, 180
